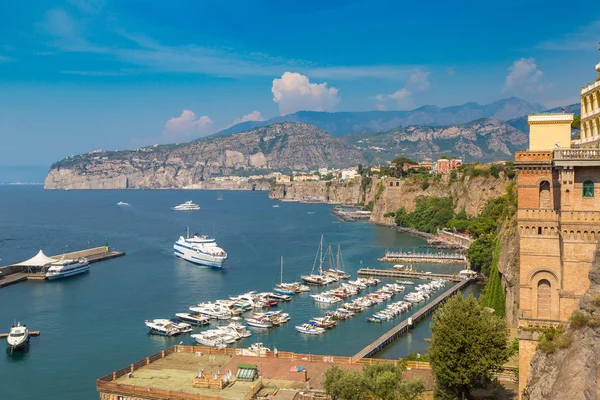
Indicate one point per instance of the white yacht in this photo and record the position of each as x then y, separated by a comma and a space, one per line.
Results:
162, 327
212, 338
200, 250
310, 329
212, 310
18, 337
64, 268
187, 206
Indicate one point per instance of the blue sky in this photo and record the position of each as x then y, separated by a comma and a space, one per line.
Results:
80, 75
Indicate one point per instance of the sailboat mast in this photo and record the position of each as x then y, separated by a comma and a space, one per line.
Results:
321, 259
337, 260
281, 272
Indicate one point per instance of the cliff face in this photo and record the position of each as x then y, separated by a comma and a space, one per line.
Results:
472, 193
282, 146
508, 266
572, 372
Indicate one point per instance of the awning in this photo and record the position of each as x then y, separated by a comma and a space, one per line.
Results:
39, 260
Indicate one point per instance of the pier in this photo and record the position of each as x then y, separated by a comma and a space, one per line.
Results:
405, 325
424, 257
351, 215
12, 274
396, 273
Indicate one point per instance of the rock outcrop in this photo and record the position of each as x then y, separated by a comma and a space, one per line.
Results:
508, 266
284, 146
572, 372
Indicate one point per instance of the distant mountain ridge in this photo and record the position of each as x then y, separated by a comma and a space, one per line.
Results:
480, 140
341, 123
521, 122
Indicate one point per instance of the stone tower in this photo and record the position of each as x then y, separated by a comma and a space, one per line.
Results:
559, 225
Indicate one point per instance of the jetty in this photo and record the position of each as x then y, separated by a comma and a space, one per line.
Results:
426, 257
351, 215
397, 273
11, 274
403, 327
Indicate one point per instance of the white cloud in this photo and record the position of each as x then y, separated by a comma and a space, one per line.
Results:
418, 81
187, 125
294, 92
399, 95
253, 116
524, 77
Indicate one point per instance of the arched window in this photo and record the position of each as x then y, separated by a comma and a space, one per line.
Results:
543, 299
544, 194
391, 184
539, 230
588, 189
397, 183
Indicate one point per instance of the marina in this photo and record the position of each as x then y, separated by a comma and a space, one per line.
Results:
427, 257
108, 307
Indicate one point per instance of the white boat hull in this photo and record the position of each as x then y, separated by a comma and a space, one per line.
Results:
66, 274
198, 258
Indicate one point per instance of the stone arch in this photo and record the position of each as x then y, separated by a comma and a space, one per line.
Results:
544, 194
539, 230
397, 183
578, 236
585, 235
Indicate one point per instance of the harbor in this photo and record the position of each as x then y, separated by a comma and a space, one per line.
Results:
20, 272
426, 257
397, 273
112, 302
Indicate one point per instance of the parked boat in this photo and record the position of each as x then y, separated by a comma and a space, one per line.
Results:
18, 337
211, 339
65, 268
287, 288
194, 319
310, 329
122, 203
187, 206
317, 279
213, 310
257, 322
200, 250
162, 327
405, 282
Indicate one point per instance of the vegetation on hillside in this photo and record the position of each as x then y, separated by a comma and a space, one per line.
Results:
430, 214
468, 342
379, 381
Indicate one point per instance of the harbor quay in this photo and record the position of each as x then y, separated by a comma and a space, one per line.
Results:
424, 257
26, 270
207, 373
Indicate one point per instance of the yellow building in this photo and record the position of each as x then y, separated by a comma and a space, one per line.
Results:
559, 227
590, 113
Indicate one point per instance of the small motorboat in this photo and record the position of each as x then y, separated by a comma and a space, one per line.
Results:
18, 337
280, 297
371, 319
259, 322
211, 339
276, 206
122, 203
194, 319
182, 327
405, 282
310, 329
162, 327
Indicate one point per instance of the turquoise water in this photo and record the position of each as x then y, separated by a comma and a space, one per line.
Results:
93, 324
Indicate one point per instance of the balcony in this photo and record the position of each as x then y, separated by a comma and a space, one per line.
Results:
577, 157
533, 157
591, 86
590, 114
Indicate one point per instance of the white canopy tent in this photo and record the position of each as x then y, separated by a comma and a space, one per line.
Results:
39, 260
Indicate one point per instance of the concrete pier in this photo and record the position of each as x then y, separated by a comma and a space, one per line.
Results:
396, 273
403, 327
404, 256
12, 274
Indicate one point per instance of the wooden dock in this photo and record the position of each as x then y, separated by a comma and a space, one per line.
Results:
405, 325
404, 256
14, 274
31, 333
396, 273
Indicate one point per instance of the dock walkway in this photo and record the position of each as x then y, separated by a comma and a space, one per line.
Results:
404, 256
404, 326
395, 273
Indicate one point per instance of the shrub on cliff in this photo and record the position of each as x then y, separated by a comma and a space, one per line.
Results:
468, 342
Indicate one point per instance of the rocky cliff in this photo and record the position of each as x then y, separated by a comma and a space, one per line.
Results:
508, 266
470, 193
481, 140
572, 370
284, 146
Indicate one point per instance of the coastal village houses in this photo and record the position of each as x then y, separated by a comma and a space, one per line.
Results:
558, 219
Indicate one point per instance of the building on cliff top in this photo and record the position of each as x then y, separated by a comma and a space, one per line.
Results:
590, 114
558, 221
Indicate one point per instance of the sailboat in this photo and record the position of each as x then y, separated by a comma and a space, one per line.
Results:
289, 288
338, 272
317, 279
220, 196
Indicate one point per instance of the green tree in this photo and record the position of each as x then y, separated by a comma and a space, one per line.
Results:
467, 343
480, 254
576, 124
346, 385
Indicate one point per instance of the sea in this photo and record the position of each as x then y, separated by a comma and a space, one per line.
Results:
93, 324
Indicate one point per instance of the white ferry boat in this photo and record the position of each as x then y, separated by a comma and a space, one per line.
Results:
200, 250
64, 268
187, 206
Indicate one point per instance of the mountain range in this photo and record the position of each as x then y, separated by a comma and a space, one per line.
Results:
341, 123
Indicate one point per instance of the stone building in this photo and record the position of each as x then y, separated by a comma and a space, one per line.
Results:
590, 113
559, 227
